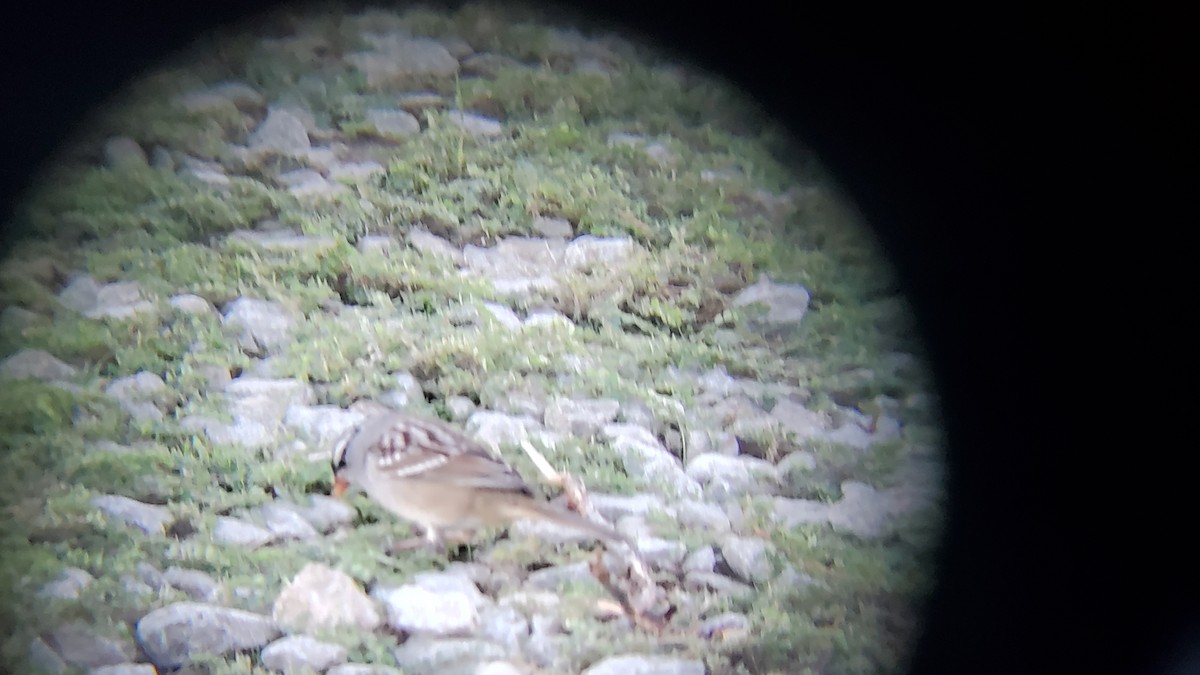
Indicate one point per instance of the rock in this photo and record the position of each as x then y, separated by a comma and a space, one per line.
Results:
702, 559
124, 669
400, 60
716, 583
555, 577
502, 315
580, 418
322, 598
355, 172
414, 609
174, 634
503, 625
393, 124
322, 425
192, 304
724, 477
612, 253
68, 584
123, 152
143, 395
637, 664
699, 515
35, 364
613, 507
261, 327
362, 669
148, 518
195, 584
237, 532
425, 655
282, 132
285, 522
498, 429
120, 299
475, 125
661, 554
407, 390
80, 645
433, 245
552, 227
327, 513
303, 183
283, 240
41, 656
725, 624
302, 654
18, 318
785, 304
748, 558
643, 456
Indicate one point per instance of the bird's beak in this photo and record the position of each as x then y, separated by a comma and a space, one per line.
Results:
340, 485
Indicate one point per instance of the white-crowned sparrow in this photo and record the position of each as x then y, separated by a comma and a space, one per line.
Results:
431, 474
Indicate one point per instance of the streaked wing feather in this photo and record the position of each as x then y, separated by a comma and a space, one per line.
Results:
440, 454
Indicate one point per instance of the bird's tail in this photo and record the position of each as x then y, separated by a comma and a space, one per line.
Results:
532, 508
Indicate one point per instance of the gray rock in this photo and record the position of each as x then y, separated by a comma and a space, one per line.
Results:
785, 304
355, 172
796, 463
638, 664
35, 364
702, 559
124, 669
748, 558
613, 507
612, 253
192, 304
459, 580
362, 669
320, 424
460, 407
44, 658
281, 132
283, 240
502, 315
420, 655
407, 390
475, 125
148, 518
497, 429
237, 532
724, 477
701, 441
377, 243
302, 654
80, 645
141, 387
662, 554
398, 60
119, 300
851, 435
699, 515
284, 521
503, 625
327, 513
149, 575
555, 577
161, 159
642, 455
174, 634
304, 183
122, 151
580, 418
237, 94
68, 584
712, 582
19, 318
195, 584
552, 227
396, 124
321, 598
496, 668
724, 624
414, 609
261, 327
433, 245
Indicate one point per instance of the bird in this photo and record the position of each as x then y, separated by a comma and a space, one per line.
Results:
429, 473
